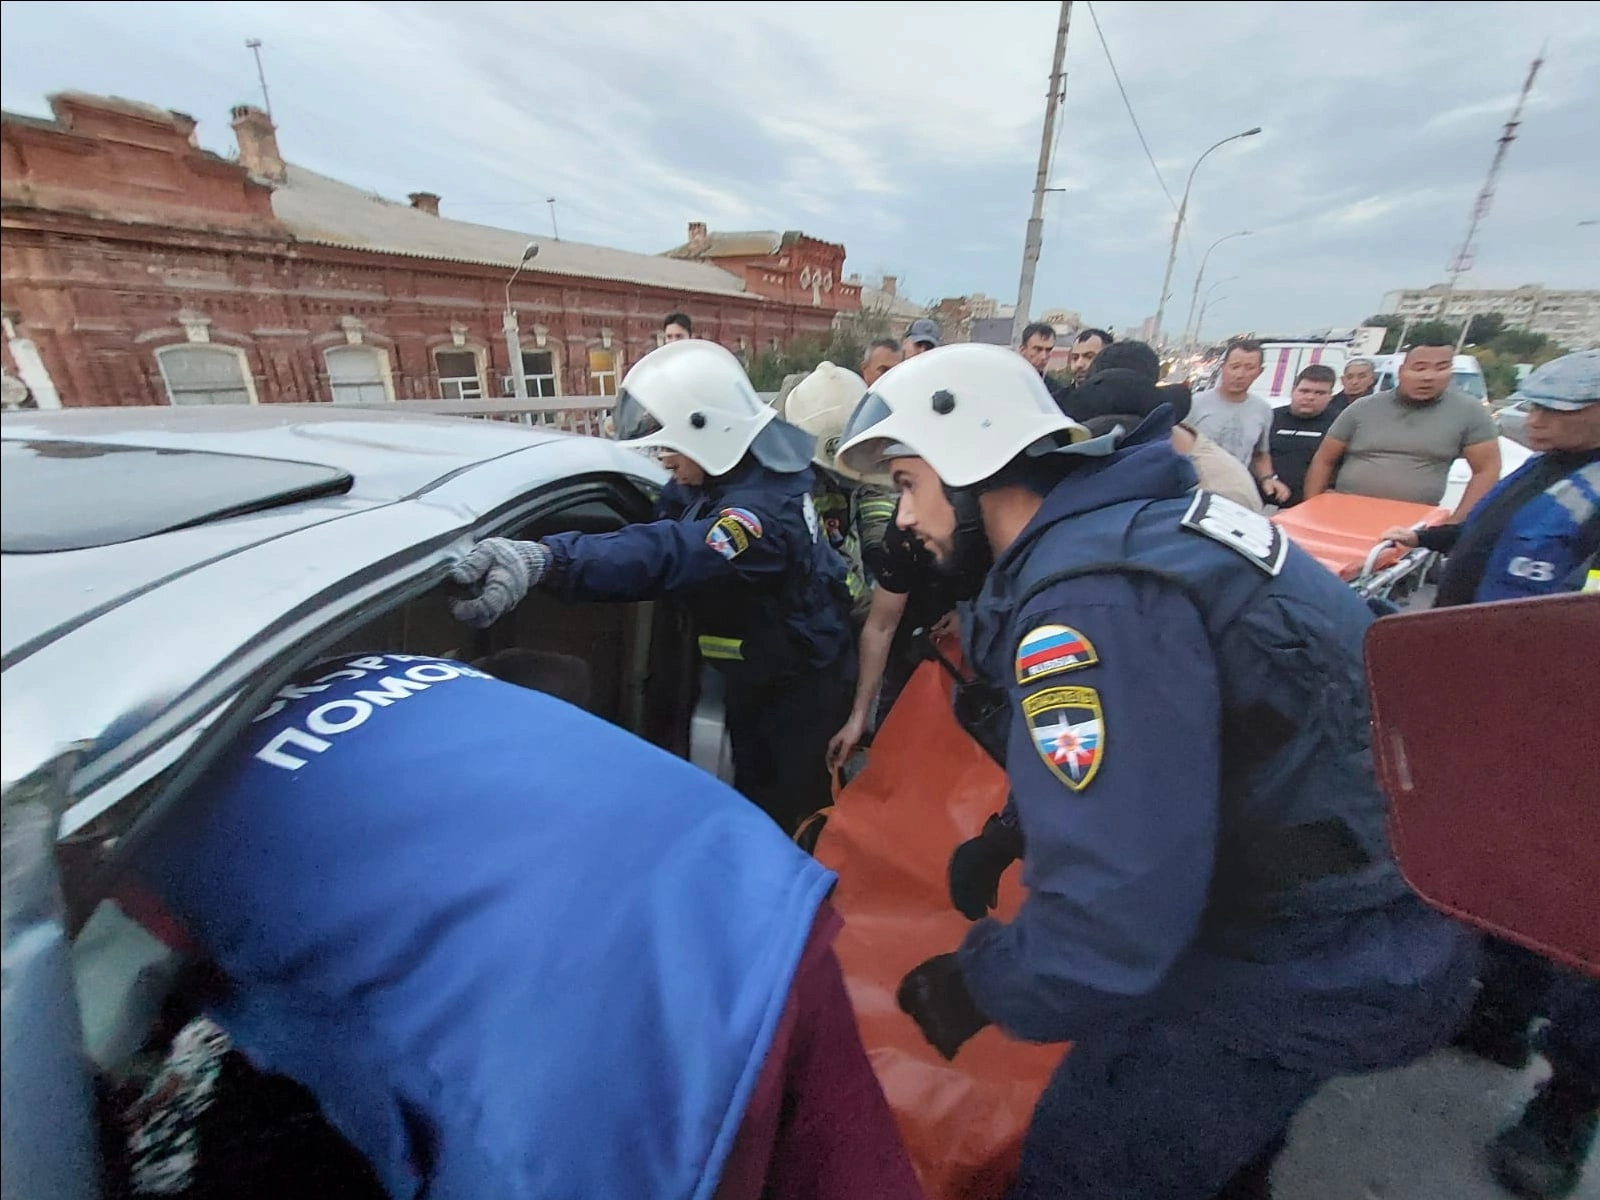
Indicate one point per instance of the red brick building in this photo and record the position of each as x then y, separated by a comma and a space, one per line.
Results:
788, 267
137, 268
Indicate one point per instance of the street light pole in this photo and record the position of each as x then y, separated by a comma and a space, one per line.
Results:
1206, 303
1035, 237
1199, 275
519, 381
1177, 228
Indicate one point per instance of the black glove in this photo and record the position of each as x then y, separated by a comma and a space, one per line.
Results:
936, 998
977, 864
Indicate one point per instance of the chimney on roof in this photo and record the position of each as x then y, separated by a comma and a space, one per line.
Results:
425, 202
698, 238
258, 143
890, 282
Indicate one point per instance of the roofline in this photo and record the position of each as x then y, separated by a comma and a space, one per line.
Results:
285, 244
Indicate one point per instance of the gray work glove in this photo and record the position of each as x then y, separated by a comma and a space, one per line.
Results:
497, 575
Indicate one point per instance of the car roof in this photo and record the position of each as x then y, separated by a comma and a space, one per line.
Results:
110, 637
390, 454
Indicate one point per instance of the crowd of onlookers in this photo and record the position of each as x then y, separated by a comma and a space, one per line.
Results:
1396, 445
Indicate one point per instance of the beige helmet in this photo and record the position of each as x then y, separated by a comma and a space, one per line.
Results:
820, 404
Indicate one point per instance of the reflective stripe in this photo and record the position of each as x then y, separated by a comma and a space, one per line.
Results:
1577, 492
1592, 583
727, 649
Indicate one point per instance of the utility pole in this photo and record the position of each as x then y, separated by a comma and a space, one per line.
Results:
1035, 239
254, 46
1462, 262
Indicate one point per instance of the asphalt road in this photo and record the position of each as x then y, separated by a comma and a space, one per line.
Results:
1412, 1134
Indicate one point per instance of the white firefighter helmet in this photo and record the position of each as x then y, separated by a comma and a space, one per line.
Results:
967, 409
820, 404
694, 397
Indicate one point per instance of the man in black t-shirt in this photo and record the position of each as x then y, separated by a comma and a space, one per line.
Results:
1299, 427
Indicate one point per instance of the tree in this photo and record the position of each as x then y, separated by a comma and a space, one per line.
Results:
771, 367
1434, 331
1499, 372
1484, 328
1394, 323
1519, 344
846, 346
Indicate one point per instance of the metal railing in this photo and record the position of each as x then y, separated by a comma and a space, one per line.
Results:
589, 415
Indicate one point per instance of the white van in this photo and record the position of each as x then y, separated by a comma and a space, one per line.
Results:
1282, 362
1466, 375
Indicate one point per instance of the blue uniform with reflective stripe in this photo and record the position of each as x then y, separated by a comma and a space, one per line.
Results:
1206, 861
513, 951
768, 593
1550, 543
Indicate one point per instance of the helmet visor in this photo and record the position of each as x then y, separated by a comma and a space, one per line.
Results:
872, 410
863, 448
632, 419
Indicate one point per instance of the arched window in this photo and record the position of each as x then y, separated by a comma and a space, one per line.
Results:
359, 375
205, 375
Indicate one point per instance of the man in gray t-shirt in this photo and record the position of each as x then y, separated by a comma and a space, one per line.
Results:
1398, 445
1237, 421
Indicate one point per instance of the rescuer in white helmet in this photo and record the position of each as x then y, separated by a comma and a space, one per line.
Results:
1214, 918
737, 537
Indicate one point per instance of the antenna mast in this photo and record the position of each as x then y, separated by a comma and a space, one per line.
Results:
1462, 262
254, 46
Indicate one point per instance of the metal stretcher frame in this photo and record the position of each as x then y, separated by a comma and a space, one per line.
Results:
1344, 533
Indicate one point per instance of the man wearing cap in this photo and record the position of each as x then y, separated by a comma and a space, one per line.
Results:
737, 536
1214, 918
920, 338
1538, 530
1537, 533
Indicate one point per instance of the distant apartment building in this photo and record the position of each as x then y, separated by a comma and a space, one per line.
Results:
1570, 318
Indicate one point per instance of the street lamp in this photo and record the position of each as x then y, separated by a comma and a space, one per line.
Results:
1201, 274
519, 381
1177, 227
1200, 324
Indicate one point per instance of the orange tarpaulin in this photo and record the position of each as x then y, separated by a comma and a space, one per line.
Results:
926, 788
1340, 530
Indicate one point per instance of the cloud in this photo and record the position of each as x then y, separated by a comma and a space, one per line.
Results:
910, 133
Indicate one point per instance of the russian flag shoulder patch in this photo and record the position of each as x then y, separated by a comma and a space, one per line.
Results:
1051, 650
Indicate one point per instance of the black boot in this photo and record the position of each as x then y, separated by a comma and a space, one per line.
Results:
1542, 1155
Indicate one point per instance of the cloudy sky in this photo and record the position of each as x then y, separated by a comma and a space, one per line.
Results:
910, 132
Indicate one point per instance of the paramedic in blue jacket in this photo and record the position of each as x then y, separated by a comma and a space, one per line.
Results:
1537, 534
737, 537
1538, 531
1213, 918
515, 952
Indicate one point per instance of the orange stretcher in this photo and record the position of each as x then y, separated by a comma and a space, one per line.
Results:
1344, 533
926, 788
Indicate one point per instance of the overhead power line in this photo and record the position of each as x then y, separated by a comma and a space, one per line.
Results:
1128, 104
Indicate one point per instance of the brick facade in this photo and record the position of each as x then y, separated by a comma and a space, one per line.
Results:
122, 237
791, 267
